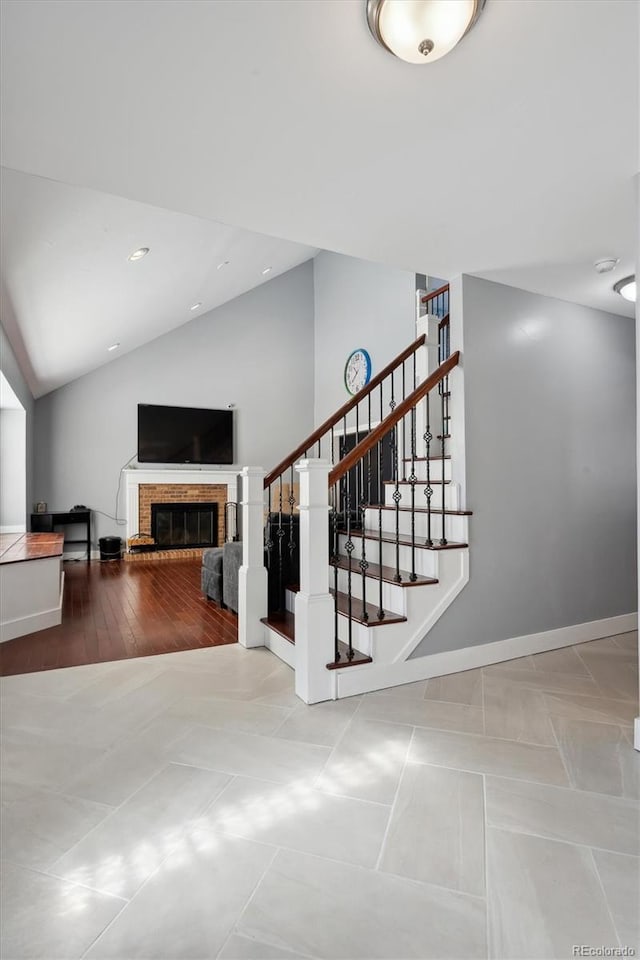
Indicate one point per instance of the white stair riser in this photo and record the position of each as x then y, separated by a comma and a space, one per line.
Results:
456, 528
426, 560
420, 467
361, 636
451, 495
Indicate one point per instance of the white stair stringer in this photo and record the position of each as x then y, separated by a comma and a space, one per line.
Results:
393, 643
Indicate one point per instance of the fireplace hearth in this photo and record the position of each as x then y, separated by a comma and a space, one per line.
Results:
181, 526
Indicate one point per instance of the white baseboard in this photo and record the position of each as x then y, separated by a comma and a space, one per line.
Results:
16, 528
371, 676
11, 629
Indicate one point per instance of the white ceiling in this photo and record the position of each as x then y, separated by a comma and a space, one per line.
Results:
69, 291
513, 158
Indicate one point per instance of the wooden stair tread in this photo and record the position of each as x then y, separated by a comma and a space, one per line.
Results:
407, 483
434, 456
343, 662
449, 513
388, 574
403, 540
371, 609
282, 623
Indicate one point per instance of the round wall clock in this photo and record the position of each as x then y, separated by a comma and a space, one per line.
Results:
357, 371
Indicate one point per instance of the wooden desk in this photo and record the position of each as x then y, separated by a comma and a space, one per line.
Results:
47, 522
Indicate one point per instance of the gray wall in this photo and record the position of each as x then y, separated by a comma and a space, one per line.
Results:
551, 472
255, 352
357, 304
13, 466
11, 369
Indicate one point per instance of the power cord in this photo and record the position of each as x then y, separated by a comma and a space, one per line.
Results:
119, 520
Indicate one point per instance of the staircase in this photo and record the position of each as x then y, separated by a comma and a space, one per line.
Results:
350, 599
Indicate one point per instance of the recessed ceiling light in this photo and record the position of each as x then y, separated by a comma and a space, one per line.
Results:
606, 265
138, 254
194, 306
225, 263
421, 31
627, 288
266, 271
114, 346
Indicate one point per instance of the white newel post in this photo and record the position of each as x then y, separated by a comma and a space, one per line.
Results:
252, 576
314, 604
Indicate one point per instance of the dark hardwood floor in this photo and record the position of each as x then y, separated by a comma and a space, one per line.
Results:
117, 610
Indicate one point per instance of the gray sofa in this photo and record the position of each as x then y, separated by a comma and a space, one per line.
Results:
219, 575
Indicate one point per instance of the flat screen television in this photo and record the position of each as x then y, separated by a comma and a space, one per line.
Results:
184, 435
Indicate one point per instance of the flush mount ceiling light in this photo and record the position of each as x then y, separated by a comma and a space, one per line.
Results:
606, 265
194, 306
266, 271
421, 31
114, 346
225, 263
627, 288
138, 254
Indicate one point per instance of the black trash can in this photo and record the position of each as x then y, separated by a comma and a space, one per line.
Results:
110, 548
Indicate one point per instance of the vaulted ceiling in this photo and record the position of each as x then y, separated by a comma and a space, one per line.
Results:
69, 291
513, 158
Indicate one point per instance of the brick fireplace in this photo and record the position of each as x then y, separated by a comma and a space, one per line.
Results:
150, 493
146, 487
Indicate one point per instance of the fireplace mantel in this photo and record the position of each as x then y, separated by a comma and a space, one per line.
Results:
136, 476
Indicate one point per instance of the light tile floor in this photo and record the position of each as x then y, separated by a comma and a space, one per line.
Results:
188, 806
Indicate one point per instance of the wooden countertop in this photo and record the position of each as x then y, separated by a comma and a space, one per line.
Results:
18, 547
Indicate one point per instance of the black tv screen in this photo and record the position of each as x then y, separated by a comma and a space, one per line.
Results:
184, 435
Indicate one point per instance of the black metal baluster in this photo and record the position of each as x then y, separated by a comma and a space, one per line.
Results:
443, 539
335, 560
404, 425
397, 497
292, 542
413, 480
369, 453
268, 541
364, 566
280, 534
380, 506
318, 454
428, 490
349, 547
332, 447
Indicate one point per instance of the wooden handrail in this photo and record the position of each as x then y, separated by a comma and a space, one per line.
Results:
432, 294
342, 412
365, 445
444, 322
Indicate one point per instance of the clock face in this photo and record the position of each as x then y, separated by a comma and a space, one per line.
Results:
357, 371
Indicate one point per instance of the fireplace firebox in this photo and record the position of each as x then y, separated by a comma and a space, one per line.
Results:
184, 525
